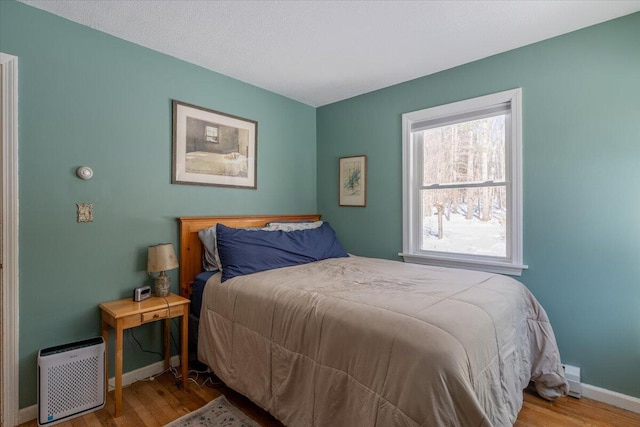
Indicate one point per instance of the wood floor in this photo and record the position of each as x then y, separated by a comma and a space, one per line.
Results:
158, 402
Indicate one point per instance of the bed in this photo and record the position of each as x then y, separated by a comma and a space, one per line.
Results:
353, 341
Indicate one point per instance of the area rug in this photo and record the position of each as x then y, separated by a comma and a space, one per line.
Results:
217, 413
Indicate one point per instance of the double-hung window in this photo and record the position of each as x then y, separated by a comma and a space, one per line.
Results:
211, 134
462, 186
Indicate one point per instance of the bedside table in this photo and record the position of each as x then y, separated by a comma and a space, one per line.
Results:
126, 313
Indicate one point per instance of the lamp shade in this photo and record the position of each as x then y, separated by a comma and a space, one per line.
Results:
161, 257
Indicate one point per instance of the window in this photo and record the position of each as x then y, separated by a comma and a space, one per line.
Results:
462, 187
211, 134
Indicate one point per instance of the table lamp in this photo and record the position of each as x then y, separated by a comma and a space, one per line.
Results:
161, 258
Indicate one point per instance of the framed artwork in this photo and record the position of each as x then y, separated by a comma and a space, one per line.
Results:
213, 148
352, 181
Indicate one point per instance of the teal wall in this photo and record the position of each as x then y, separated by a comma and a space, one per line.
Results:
86, 98
581, 142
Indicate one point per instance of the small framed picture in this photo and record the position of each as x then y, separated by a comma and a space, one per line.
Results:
353, 181
213, 148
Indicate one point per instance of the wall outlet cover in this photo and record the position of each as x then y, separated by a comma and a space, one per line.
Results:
85, 212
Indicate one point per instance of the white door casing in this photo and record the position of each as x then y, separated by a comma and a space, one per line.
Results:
10, 272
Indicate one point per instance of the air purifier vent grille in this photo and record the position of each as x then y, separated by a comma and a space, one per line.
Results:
72, 385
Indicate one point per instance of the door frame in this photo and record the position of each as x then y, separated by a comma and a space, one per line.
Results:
10, 264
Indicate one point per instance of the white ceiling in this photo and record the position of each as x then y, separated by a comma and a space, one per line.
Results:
319, 52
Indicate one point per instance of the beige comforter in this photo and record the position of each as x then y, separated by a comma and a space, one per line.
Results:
368, 342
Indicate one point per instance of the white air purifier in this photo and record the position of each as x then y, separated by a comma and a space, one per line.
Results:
70, 380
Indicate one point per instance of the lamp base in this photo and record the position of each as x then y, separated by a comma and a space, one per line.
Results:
162, 286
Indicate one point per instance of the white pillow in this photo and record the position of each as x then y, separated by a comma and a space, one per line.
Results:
292, 226
210, 258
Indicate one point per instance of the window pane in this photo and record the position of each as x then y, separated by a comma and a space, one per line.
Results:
465, 221
472, 151
211, 133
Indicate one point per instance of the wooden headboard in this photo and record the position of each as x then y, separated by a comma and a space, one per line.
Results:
191, 247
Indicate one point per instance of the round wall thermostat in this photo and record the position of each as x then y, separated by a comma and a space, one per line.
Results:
84, 172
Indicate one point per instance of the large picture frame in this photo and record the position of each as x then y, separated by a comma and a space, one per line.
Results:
352, 181
213, 148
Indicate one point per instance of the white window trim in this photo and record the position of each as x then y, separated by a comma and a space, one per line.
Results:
513, 263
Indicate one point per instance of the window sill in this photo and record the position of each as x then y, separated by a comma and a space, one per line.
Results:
488, 266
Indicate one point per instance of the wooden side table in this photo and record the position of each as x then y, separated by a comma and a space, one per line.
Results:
126, 313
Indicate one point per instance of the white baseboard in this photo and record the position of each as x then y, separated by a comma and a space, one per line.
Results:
31, 412
27, 414
612, 398
142, 373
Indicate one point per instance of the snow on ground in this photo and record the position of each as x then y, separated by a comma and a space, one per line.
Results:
462, 235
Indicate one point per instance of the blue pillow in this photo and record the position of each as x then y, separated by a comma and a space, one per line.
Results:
210, 257
249, 251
